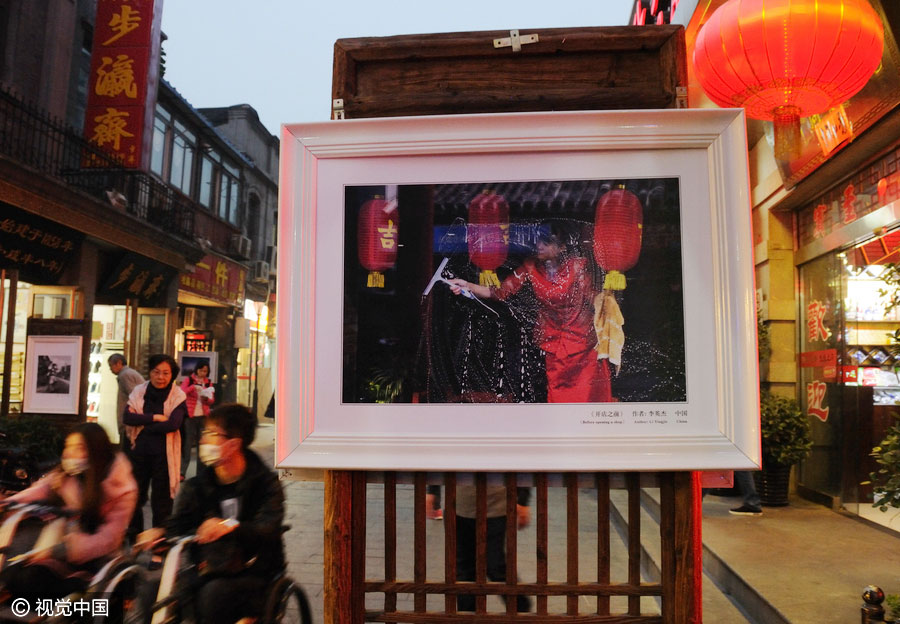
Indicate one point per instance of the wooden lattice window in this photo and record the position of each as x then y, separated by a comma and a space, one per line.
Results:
562, 588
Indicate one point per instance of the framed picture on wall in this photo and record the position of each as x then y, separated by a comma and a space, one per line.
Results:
188, 361
118, 331
52, 374
529, 291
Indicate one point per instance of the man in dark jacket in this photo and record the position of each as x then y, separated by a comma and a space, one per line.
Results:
235, 506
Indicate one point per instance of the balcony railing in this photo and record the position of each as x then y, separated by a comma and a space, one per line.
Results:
34, 138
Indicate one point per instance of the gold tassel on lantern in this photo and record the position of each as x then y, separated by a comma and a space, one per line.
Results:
375, 280
608, 322
615, 280
488, 278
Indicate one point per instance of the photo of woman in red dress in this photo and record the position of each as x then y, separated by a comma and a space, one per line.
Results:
571, 294
563, 285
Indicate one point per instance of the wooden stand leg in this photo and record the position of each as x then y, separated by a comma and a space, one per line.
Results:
345, 550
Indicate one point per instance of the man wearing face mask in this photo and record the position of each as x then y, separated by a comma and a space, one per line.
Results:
235, 506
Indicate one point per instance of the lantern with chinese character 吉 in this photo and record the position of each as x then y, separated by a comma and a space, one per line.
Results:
377, 238
781, 60
618, 227
488, 235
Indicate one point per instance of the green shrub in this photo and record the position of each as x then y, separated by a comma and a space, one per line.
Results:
892, 601
42, 439
886, 480
785, 430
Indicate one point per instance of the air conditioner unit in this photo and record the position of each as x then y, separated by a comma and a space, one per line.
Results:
260, 271
240, 246
194, 318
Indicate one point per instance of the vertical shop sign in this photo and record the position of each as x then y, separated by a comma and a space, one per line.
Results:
815, 322
816, 391
123, 80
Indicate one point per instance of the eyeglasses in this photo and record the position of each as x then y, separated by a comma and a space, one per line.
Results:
209, 433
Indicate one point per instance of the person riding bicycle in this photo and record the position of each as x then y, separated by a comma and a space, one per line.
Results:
235, 506
93, 481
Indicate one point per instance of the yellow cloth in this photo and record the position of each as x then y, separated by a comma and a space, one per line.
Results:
608, 322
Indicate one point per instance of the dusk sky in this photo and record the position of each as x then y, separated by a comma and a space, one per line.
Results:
276, 55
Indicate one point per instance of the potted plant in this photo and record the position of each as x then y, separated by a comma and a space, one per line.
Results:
785, 441
886, 480
892, 601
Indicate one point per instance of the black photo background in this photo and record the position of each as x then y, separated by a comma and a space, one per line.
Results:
399, 346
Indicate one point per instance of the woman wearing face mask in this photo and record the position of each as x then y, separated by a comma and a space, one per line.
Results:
95, 481
153, 420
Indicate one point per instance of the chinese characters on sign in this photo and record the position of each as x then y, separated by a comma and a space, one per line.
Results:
815, 396
815, 322
39, 249
122, 83
137, 277
819, 220
218, 279
826, 360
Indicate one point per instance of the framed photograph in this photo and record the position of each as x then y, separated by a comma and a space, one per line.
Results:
527, 291
52, 374
188, 361
119, 324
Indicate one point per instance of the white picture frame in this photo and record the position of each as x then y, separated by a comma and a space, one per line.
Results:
52, 374
705, 150
187, 361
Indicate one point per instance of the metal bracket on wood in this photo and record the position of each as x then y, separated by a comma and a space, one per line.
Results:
681, 97
515, 40
337, 108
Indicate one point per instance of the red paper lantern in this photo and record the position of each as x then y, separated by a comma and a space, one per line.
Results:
618, 227
488, 235
785, 59
377, 238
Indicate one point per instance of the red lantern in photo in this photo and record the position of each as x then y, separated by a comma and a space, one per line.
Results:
618, 227
378, 225
488, 235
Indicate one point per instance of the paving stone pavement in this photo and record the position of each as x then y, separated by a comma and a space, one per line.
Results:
304, 543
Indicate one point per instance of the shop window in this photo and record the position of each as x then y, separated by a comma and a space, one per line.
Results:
821, 329
51, 306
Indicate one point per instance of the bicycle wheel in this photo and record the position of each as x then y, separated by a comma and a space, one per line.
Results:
287, 603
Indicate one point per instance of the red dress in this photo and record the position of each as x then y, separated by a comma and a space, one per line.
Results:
565, 330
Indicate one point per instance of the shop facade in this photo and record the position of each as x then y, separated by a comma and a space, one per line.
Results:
106, 243
826, 222
210, 304
847, 241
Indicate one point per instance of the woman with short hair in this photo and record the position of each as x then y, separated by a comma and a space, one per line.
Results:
153, 420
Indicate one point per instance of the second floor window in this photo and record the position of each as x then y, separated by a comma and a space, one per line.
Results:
199, 172
174, 146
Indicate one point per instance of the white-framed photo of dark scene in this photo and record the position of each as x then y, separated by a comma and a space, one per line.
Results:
531, 291
188, 361
52, 374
